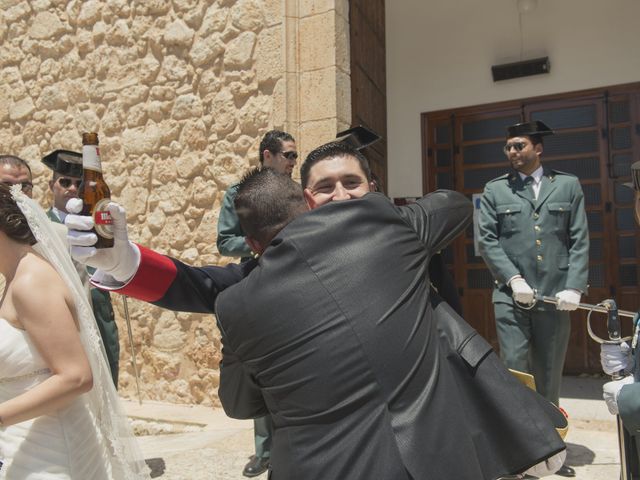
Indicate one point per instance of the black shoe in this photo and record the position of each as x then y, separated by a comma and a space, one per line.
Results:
255, 467
566, 471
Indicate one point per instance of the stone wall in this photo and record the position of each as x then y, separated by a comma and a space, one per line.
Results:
180, 91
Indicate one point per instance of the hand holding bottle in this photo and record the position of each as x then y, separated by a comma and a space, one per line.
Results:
120, 261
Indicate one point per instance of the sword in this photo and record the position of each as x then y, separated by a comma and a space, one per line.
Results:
609, 307
133, 350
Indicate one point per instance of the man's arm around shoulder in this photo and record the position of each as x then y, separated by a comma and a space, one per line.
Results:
439, 217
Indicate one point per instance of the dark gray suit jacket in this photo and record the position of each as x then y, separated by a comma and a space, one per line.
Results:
367, 376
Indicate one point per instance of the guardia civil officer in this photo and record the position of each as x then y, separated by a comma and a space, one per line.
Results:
534, 237
67, 175
623, 396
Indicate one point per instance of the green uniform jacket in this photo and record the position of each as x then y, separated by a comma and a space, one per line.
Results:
544, 240
230, 236
103, 311
629, 409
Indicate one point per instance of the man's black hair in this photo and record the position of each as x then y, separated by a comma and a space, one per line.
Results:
272, 141
266, 202
331, 150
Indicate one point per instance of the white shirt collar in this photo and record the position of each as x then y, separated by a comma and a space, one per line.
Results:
536, 175
59, 213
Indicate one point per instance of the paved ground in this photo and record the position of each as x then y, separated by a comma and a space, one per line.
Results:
210, 446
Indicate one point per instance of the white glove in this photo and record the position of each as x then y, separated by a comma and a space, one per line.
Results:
615, 358
549, 466
522, 292
121, 261
611, 390
568, 299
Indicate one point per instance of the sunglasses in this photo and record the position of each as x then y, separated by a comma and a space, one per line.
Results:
66, 182
290, 155
25, 186
518, 146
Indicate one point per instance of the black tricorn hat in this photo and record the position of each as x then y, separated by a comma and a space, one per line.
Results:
529, 128
64, 162
358, 137
635, 177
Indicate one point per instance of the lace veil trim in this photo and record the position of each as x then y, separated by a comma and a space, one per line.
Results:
111, 422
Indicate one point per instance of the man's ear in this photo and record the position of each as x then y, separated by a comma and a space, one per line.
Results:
254, 245
538, 148
308, 197
267, 157
51, 182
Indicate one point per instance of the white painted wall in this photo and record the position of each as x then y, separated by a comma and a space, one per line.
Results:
440, 52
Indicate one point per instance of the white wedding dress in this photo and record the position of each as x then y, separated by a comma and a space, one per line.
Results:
91, 438
63, 445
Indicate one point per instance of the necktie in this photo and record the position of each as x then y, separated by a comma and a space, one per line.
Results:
528, 182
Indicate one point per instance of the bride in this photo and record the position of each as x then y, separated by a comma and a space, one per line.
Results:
53, 424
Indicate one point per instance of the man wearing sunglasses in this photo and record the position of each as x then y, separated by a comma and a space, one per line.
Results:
67, 175
277, 151
534, 239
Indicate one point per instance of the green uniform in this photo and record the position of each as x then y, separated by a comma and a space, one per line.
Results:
231, 244
629, 409
103, 311
546, 241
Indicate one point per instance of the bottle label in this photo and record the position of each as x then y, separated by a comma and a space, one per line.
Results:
102, 219
91, 158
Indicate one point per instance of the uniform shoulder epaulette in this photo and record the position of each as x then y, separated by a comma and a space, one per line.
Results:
501, 177
560, 172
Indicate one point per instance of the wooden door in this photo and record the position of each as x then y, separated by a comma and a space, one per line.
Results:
597, 137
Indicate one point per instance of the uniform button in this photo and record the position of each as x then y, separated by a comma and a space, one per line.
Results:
536, 215
536, 228
508, 210
539, 257
538, 242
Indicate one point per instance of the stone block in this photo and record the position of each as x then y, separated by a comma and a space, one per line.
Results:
315, 133
215, 20
318, 93
247, 15
90, 13
17, 12
46, 25
239, 51
317, 41
52, 97
194, 135
21, 109
274, 12
309, 8
190, 166
269, 56
178, 34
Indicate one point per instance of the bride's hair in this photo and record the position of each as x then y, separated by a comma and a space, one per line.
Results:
12, 222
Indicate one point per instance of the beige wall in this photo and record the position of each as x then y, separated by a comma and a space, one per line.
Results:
439, 55
180, 92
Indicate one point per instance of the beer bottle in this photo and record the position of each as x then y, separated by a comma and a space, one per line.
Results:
94, 191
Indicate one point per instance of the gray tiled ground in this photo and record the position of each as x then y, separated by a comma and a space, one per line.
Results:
222, 447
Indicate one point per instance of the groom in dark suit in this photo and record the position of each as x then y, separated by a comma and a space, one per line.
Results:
360, 378
373, 377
